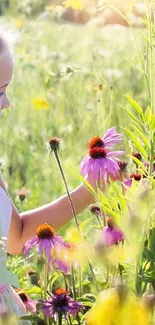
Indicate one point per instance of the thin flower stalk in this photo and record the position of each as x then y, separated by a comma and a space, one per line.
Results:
67, 190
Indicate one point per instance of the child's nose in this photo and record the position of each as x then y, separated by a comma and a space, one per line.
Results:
6, 102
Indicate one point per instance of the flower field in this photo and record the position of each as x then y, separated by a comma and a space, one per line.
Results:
83, 107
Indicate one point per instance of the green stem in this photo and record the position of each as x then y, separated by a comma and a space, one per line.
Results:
120, 272
139, 258
80, 280
60, 319
73, 282
151, 159
151, 57
66, 186
69, 320
94, 278
65, 281
45, 282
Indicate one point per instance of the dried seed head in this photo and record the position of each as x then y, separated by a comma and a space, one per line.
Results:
96, 210
54, 143
22, 194
122, 165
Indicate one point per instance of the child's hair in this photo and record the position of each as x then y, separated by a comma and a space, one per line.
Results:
7, 40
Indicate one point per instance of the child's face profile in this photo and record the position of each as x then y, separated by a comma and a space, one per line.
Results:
6, 70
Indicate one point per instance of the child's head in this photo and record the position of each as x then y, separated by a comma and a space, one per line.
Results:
6, 70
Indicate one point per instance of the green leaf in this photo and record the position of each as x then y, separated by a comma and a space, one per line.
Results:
122, 200
136, 143
33, 290
85, 223
87, 303
138, 162
142, 136
133, 117
32, 318
152, 124
86, 282
148, 116
53, 279
152, 240
135, 105
83, 180
145, 37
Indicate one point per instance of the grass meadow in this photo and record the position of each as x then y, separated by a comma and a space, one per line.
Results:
71, 81
68, 86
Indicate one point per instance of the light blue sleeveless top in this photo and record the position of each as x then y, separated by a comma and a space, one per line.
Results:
5, 217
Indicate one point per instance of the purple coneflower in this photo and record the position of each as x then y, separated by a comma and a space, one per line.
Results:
60, 304
100, 160
111, 234
29, 303
48, 243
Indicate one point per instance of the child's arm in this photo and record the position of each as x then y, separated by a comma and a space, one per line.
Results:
57, 213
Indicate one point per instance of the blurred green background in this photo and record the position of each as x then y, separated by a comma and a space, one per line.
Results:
70, 81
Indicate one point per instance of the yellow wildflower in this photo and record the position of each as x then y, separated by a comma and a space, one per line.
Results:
41, 103
110, 309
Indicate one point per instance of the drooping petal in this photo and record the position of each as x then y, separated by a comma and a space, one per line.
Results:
31, 305
29, 245
112, 137
57, 241
128, 183
85, 165
112, 236
62, 265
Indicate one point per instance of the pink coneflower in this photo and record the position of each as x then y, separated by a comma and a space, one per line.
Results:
112, 234
136, 177
60, 304
29, 303
101, 161
47, 241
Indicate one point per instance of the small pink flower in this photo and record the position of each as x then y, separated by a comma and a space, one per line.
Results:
29, 303
111, 234
136, 177
48, 244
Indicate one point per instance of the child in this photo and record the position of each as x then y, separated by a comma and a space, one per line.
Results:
20, 227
